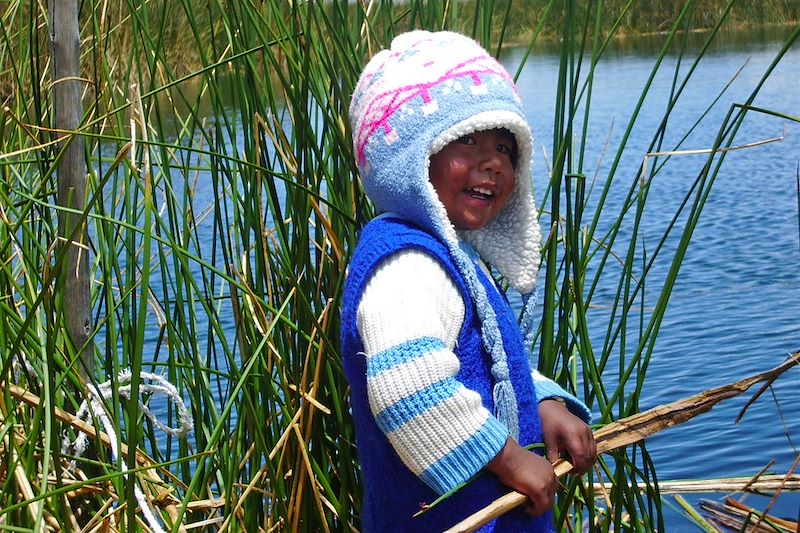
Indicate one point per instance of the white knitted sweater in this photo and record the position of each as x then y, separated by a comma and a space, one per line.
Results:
411, 297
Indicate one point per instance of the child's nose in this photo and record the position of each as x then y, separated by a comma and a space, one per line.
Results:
491, 161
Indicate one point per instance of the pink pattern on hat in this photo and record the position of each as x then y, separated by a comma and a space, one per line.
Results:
383, 104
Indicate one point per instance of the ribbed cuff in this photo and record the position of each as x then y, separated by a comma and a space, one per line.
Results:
463, 462
546, 389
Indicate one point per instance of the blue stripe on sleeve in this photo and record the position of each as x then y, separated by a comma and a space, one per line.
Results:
402, 353
463, 462
412, 406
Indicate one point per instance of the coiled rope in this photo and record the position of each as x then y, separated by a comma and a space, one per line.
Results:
94, 406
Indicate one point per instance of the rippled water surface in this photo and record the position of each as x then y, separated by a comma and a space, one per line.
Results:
735, 309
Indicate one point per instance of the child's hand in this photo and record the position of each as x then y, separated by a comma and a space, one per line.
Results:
528, 473
564, 432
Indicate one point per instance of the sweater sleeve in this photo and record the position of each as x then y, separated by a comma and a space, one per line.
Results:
409, 319
547, 389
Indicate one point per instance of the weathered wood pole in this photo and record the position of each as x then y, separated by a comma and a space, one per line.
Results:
74, 279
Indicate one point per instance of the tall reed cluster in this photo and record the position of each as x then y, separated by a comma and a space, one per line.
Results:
222, 205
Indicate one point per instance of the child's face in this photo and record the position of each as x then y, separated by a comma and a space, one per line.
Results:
474, 176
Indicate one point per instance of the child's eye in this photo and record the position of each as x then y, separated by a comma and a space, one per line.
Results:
505, 149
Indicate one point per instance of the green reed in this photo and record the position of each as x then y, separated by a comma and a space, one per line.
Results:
223, 204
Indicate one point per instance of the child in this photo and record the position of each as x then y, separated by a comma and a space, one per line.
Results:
441, 387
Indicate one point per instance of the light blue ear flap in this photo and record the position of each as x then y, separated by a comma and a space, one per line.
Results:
505, 400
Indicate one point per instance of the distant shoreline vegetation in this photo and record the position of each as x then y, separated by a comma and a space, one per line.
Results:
517, 24
512, 24
655, 17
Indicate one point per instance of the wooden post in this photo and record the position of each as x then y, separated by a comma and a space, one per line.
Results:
74, 282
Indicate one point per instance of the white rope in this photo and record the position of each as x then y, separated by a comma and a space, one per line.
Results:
94, 406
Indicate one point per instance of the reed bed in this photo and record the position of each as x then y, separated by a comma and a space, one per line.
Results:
222, 203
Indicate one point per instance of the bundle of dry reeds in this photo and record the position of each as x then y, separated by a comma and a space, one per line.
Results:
733, 515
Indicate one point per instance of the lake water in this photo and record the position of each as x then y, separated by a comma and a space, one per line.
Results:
735, 310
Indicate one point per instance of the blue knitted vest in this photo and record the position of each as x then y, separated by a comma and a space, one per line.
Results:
392, 493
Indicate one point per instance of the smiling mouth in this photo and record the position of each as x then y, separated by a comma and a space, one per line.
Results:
480, 192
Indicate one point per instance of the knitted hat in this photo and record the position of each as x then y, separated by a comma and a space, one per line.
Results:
427, 90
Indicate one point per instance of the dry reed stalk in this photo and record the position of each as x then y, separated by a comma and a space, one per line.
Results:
205, 523
734, 514
314, 405
779, 490
96, 522
201, 505
767, 483
236, 511
22, 481
161, 494
314, 485
631, 430
82, 490
738, 507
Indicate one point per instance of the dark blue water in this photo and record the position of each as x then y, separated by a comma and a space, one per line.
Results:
735, 310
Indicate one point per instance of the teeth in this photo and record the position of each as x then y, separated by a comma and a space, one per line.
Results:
481, 190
